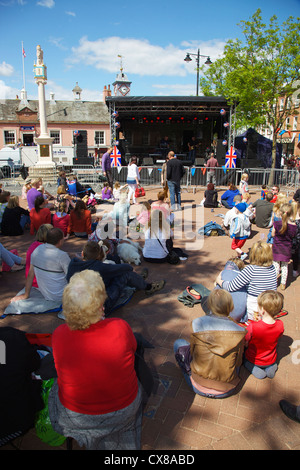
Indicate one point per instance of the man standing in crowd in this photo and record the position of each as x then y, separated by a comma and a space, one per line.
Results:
211, 165
106, 167
175, 172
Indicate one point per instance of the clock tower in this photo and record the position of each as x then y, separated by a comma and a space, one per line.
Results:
121, 84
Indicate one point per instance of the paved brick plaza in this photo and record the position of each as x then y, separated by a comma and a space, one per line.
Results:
176, 418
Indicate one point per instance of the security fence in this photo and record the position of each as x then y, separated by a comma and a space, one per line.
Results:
194, 177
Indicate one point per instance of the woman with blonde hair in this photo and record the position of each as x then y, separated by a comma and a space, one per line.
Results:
96, 398
258, 276
15, 218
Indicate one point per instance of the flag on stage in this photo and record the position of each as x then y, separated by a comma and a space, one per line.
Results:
115, 157
230, 159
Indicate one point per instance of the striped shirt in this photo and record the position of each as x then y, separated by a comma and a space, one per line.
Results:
256, 279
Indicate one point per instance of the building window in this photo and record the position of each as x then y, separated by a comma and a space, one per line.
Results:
9, 137
99, 138
56, 136
295, 123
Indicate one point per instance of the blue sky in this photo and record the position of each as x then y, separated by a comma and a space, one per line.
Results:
81, 42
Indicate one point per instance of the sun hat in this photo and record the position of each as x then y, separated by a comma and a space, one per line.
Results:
241, 206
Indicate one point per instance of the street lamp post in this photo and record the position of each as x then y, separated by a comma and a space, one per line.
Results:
198, 55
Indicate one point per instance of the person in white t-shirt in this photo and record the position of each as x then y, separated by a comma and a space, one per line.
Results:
157, 236
133, 179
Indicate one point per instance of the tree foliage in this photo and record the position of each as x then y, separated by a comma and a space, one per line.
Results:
257, 72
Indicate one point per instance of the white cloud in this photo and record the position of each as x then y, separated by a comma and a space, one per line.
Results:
46, 3
140, 56
7, 92
70, 13
6, 70
175, 89
57, 42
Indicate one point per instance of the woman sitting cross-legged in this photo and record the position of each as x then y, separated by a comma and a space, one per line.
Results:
80, 222
15, 218
211, 361
157, 238
96, 398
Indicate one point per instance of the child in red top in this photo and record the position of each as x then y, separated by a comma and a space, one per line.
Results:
61, 218
263, 335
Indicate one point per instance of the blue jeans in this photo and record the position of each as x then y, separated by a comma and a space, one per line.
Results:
9, 258
25, 219
174, 189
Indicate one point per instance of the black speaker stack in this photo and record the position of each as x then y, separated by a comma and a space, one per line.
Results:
81, 148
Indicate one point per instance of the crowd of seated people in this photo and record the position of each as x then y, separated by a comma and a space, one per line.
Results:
240, 320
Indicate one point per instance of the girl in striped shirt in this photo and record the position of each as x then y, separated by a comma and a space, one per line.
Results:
258, 276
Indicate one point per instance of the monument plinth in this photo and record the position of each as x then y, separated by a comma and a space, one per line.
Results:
44, 141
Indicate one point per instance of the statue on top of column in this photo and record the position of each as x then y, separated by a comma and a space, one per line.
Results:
39, 55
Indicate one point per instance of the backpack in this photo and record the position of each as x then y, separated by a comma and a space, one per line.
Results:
211, 229
189, 300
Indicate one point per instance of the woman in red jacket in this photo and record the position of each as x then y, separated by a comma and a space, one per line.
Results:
96, 398
39, 215
80, 222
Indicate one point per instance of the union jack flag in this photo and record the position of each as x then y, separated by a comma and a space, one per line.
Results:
230, 159
115, 157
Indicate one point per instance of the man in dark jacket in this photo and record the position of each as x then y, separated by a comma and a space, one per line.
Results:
175, 172
116, 277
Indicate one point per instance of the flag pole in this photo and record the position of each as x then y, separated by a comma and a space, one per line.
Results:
23, 66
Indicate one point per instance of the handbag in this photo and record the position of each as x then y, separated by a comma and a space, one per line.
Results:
139, 191
172, 256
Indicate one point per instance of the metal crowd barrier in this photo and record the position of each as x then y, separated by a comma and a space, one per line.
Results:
194, 177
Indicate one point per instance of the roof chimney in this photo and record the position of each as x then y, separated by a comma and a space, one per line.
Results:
106, 92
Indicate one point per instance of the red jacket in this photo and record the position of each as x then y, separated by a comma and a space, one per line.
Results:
39, 218
95, 367
84, 224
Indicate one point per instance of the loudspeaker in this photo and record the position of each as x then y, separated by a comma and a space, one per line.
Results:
220, 151
81, 145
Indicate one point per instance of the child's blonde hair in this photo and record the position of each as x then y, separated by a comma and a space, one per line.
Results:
271, 301
220, 302
281, 199
117, 185
286, 211
261, 254
246, 196
244, 176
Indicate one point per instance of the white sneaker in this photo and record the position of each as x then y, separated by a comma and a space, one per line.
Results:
244, 256
61, 315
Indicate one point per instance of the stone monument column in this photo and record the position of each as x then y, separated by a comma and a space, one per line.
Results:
44, 141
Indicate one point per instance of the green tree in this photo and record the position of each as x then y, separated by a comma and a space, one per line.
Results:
256, 73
